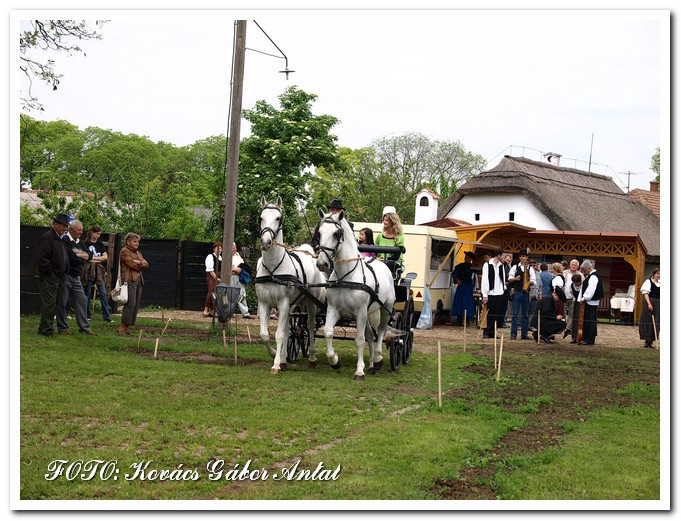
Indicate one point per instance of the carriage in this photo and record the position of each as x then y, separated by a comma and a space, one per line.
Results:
359, 292
404, 319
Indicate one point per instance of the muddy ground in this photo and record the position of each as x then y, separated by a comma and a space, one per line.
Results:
578, 379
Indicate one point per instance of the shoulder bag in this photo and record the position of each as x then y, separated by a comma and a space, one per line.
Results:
120, 293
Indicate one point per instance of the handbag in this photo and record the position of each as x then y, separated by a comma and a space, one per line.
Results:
120, 293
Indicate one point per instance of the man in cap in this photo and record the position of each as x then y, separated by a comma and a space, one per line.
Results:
521, 297
53, 263
547, 319
493, 285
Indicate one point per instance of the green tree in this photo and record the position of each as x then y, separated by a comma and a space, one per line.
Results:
49, 148
655, 164
408, 162
285, 146
50, 35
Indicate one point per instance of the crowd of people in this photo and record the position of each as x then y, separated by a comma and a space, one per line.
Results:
542, 301
71, 269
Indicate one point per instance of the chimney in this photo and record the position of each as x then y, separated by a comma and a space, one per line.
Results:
654, 186
553, 158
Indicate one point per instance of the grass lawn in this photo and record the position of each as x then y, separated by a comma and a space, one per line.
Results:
95, 398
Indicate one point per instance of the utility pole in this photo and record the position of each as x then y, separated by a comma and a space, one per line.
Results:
232, 166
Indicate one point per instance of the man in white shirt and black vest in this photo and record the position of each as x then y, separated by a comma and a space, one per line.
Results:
591, 293
493, 285
520, 279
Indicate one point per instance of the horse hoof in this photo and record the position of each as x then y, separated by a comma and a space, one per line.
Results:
283, 367
378, 365
312, 365
274, 371
358, 377
337, 366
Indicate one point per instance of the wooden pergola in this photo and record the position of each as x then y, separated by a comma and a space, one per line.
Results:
512, 238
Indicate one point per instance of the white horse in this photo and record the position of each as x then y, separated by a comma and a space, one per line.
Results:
351, 271
283, 272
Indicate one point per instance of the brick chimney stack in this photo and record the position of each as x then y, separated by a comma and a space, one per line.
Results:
654, 186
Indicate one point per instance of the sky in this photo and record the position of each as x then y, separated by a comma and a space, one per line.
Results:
500, 82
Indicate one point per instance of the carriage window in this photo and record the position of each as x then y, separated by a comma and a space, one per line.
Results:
477, 216
423, 201
511, 216
438, 251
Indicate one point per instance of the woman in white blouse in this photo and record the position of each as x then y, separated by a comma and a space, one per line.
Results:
651, 308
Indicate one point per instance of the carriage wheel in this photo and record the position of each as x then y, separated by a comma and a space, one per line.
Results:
303, 336
291, 348
396, 345
292, 343
409, 327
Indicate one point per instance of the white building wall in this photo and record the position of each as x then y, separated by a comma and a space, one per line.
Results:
495, 208
425, 214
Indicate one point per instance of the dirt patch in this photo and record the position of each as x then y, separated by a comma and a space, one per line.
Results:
194, 357
560, 385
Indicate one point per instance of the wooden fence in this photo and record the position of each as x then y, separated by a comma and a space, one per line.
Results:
176, 277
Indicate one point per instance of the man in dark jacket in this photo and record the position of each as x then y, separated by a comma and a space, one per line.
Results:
53, 263
72, 287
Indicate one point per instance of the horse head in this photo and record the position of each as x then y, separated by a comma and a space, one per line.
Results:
334, 232
271, 220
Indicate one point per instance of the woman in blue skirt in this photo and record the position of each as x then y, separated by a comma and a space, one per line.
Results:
463, 298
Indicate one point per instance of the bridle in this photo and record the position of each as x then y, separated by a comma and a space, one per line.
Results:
331, 252
274, 233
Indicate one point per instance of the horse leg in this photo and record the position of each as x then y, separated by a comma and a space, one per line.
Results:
378, 347
311, 313
264, 315
281, 335
374, 368
331, 319
362, 322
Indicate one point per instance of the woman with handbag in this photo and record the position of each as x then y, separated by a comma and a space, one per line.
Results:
131, 265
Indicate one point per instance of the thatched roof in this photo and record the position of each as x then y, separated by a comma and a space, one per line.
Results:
571, 199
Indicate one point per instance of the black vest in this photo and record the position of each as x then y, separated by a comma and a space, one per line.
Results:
598, 294
217, 265
654, 290
518, 284
493, 274
575, 291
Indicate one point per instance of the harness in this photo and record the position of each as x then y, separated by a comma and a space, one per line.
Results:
297, 281
360, 261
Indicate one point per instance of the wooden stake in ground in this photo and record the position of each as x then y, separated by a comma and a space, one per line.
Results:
538, 325
248, 330
163, 317
156, 348
224, 340
657, 343
139, 340
501, 350
464, 330
235, 348
439, 375
166, 326
495, 345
